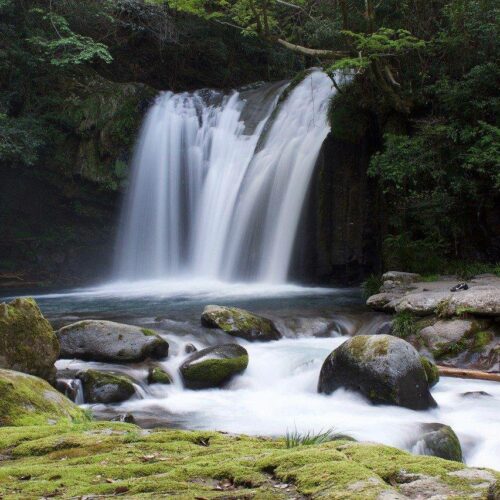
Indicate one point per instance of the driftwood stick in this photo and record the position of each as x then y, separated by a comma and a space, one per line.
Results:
445, 371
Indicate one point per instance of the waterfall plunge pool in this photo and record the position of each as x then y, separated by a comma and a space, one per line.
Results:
277, 392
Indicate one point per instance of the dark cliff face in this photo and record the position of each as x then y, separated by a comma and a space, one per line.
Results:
339, 238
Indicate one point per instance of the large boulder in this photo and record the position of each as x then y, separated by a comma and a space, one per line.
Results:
105, 387
27, 342
213, 366
438, 440
385, 369
98, 340
239, 323
28, 400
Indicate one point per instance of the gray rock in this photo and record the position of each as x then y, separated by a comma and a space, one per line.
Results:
189, 348
438, 440
98, 340
213, 366
401, 277
105, 387
239, 323
476, 394
446, 333
385, 369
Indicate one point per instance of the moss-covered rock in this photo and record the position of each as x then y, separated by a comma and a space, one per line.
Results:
431, 371
438, 440
114, 458
27, 342
157, 375
385, 369
98, 340
239, 323
105, 387
28, 400
213, 366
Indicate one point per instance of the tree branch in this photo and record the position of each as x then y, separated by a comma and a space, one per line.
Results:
311, 52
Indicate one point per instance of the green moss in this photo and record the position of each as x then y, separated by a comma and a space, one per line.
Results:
481, 340
27, 341
27, 400
349, 123
101, 459
404, 325
431, 371
158, 375
214, 372
148, 332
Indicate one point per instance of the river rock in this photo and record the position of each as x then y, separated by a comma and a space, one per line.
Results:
157, 375
190, 348
401, 277
98, 340
213, 366
28, 400
438, 440
385, 369
239, 323
27, 342
105, 387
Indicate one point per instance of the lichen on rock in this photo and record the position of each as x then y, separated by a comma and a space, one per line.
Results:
27, 342
239, 323
105, 387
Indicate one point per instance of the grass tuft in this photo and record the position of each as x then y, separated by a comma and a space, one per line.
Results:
371, 285
296, 438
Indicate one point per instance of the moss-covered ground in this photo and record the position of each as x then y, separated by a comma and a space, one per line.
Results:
75, 460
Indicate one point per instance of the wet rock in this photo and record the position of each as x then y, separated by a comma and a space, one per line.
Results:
431, 371
438, 440
189, 348
385, 369
98, 340
27, 342
214, 366
385, 328
239, 323
68, 387
28, 400
105, 387
476, 394
127, 418
446, 335
157, 375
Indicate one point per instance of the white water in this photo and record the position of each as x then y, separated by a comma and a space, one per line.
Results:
204, 201
277, 393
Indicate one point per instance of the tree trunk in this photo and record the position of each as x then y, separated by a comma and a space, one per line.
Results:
445, 371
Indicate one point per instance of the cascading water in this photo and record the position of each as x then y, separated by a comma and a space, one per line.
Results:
218, 183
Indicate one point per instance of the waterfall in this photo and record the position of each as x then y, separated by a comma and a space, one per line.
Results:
218, 182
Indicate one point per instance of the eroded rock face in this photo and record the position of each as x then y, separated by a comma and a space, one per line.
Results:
385, 369
213, 366
105, 387
98, 340
28, 400
239, 323
27, 342
438, 440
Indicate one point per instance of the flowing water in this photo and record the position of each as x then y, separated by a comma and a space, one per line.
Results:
218, 183
216, 193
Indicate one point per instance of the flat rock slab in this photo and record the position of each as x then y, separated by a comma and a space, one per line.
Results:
97, 340
425, 298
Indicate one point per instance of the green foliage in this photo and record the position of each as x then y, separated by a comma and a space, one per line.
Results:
309, 438
404, 325
371, 285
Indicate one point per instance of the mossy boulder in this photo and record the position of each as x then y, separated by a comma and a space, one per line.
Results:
28, 400
27, 342
213, 366
438, 440
157, 375
105, 387
385, 369
431, 371
98, 340
239, 323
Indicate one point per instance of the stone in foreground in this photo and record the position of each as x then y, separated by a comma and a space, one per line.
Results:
213, 366
239, 323
97, 340
28, 400
27, 342
105, 387
385, 369
438, 440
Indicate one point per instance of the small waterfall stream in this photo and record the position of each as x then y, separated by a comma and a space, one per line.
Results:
218, 182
